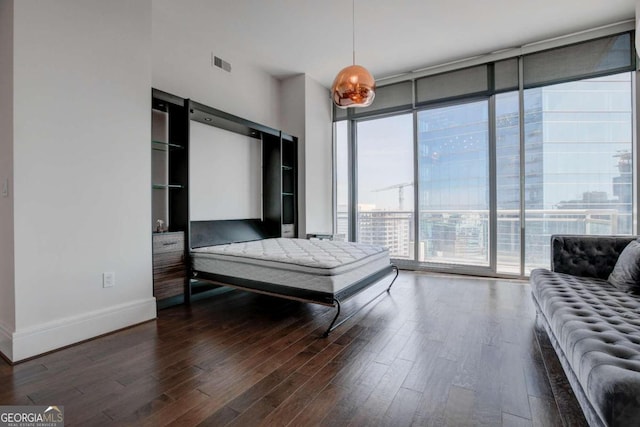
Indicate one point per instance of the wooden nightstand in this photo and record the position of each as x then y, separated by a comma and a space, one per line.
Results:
169, 268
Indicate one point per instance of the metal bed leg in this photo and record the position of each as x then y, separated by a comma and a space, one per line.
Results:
394, 278
330, 328
334, 325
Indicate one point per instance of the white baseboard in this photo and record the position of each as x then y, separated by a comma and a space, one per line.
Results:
50, 336
6, 342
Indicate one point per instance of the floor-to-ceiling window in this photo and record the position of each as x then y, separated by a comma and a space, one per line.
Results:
385, 213
578, 161
506, 153
341, 160
453, 185
507, 125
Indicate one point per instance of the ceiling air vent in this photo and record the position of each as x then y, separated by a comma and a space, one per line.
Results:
220, 63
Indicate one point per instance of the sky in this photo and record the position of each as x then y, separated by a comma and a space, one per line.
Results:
385, 158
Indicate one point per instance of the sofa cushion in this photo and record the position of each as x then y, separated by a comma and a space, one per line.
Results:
598, 328
626, 273
587, 256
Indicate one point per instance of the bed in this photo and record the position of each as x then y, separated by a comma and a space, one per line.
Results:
240, 254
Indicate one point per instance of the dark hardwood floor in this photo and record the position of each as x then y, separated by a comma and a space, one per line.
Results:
440, 350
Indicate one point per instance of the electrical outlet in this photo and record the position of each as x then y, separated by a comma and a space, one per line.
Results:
108, 279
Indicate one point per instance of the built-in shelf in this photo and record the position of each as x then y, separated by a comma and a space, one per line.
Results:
164, 146
166, 186
288, 195
169, 144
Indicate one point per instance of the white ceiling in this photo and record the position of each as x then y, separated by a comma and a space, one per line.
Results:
287, 37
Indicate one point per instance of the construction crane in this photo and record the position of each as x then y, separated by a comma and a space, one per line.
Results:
400, 188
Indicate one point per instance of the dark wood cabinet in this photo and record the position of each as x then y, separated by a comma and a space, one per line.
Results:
289, 147
170, 197
280, 177
169, 267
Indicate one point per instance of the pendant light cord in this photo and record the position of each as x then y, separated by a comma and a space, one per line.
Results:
353, 29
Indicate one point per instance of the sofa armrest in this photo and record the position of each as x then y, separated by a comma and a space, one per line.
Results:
587, 256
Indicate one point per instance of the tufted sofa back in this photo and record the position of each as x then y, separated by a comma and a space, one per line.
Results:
587, 256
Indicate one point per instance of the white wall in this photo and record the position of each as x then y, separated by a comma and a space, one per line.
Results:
306, 113
319, 158
637, 41
225, 174
637, 24
292, 92
7, 300
82, 80
182, 66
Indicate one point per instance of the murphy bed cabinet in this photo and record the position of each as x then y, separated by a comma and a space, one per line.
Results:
279, 167
170, 187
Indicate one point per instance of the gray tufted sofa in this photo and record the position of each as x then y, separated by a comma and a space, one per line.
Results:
593, 326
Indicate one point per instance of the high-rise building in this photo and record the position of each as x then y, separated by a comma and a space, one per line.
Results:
570, 130
391, 229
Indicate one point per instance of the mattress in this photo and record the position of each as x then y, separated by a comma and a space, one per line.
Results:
317, 265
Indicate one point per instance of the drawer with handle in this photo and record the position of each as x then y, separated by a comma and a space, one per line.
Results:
168, 242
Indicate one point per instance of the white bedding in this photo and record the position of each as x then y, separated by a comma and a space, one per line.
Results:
318, 265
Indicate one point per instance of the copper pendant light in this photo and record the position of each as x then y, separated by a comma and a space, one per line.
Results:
354, 86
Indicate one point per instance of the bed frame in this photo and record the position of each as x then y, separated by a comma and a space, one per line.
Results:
212, 233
